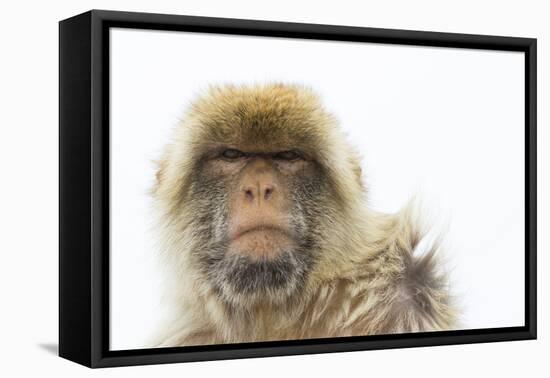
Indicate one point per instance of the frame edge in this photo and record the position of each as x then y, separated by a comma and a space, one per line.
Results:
75, 335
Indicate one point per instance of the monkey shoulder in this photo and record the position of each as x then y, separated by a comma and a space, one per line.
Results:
397, 289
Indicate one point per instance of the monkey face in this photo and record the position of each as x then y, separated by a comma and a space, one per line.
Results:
258, 210
250, 181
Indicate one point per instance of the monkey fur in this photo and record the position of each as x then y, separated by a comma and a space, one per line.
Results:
358, 271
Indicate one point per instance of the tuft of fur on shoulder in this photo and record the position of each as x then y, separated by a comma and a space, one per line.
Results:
421, 299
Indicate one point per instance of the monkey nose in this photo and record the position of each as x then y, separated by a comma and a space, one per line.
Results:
259, 192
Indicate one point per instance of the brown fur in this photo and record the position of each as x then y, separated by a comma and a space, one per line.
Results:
368, 278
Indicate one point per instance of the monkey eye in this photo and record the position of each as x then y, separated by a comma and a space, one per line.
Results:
287, 155
231, 154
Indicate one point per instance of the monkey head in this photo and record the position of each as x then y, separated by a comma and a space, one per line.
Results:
249, 188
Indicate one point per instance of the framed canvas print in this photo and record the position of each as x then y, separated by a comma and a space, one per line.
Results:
236, 188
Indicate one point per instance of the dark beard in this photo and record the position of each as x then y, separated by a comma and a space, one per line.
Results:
239, 279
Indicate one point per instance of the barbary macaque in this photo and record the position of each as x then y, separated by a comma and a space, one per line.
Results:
266, 231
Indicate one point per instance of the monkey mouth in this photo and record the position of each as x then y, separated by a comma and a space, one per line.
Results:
262, 241
262, 228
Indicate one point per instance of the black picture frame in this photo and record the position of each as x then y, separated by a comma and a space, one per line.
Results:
84, 187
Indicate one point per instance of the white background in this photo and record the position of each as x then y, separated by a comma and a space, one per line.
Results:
444, 124
28, 195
